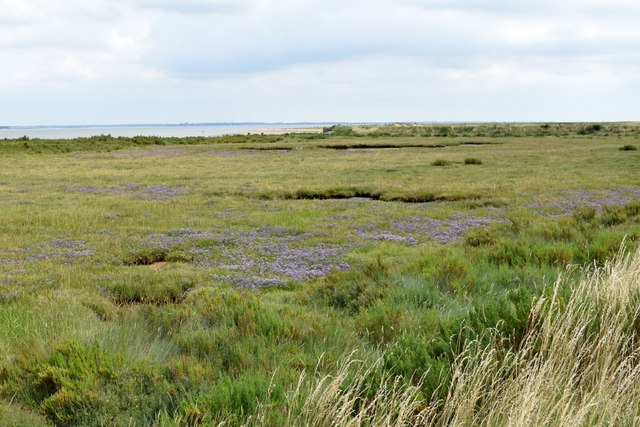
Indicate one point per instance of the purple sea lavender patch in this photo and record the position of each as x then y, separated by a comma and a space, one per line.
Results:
223, 153
271, 252
58, 248
250, 281
160, 192
97, 190
409, 229
160, 152
64, 243
338, 217
154, 192
447, 230
565, 202
382, 235
41, 257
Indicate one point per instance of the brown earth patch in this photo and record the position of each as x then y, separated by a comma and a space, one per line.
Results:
157, 265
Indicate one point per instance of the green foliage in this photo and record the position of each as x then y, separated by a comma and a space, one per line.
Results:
354, 290
236, 398
590, 129
585, 214
83, 385
380, 323
613, 215
628, 147
440, 162
142, 285
480, 237
472, 161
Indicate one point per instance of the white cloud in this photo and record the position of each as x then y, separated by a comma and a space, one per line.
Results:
209, 60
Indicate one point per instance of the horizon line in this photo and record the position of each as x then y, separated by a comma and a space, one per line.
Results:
297, 123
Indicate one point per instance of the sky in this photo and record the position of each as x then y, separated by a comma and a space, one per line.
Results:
73, 62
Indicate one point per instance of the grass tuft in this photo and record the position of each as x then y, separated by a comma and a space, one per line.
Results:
472, 161
440, 162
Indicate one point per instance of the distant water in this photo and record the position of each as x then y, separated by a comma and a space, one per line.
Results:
214, 129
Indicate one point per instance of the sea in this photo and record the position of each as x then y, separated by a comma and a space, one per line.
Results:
161, 130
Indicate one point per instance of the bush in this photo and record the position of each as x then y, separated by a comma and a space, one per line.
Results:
472, 161
613, 215
628, 147
590, 129
584, 214
83, 385
145, 286
479, 237
146, 256
633, 209
380, 324
441, 162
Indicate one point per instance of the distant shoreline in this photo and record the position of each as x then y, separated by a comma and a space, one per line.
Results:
159, 130
205, 124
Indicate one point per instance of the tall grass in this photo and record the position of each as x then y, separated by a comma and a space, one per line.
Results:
578, 365
358, 394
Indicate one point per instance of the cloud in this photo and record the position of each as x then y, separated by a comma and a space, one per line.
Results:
191, 6
357, 60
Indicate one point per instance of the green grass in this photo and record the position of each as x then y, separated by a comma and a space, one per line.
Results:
137, 274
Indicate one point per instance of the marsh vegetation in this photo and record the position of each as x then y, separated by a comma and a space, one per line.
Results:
368, 276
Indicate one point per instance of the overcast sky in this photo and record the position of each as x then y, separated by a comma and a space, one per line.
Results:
164, 61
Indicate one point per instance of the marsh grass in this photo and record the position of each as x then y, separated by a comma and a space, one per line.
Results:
156, 281
577, 365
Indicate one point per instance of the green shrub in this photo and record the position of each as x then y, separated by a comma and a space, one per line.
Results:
146, 256
613, 215
83, 385
480, 237
141, 285
632, 209
354, 290
415, 358
628, 147
586, 214
452, 269
472, 161
380, 323
590, 129
440, 162
237, 398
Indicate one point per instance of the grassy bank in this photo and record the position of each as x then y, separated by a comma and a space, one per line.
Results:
156, 281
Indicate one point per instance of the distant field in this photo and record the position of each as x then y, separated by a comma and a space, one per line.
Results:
185, 281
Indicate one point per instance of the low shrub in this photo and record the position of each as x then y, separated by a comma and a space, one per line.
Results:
613, 215
584, 214
628, 147
142, 286
354, 290
440, 162
380, 323
632, 209
472, 161
83, 385
146, 256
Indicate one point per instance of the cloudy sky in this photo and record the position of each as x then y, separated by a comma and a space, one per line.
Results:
164, 61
